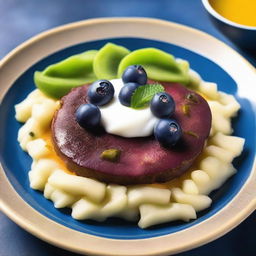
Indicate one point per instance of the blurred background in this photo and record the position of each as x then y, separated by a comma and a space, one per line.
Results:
22, 19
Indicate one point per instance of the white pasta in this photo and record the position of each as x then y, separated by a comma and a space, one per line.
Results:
195, 78
217, 107
85, 209
37, 148
62, 199
226, 106
37, 111
230, 143
48, 190
202, 180
210, 90
220, 153
219, 122
218, 172
190, 187
91, 199
156, 214
138, 195
77, 185
43, 112
199, 202
115, 202
37, 96
29, 131
230, 103
40, 172
24, 109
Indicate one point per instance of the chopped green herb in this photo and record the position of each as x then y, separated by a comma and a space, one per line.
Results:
32, 134
111, 155
192, 134
186, 109
144, 94
191, 97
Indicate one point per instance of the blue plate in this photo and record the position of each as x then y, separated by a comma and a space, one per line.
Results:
16, 163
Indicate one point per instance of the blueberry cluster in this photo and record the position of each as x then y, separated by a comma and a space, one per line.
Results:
133, 77
167, 131
99, 93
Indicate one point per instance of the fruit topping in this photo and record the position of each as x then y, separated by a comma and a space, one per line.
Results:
100, 92
162, 105
88, 116
159, 65
167, 132
107, 60
58, 79
111, 155
126, 93
110, 62
135, 74
143, 159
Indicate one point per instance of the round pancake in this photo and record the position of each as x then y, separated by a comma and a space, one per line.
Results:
142, 160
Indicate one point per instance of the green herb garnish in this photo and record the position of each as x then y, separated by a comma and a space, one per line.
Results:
32, 134
191, 97
192, 134
144, 94
186, 109
111, 155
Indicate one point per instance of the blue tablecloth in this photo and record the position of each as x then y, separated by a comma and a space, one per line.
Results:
21, 19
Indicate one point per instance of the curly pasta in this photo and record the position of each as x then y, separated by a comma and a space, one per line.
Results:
91, 199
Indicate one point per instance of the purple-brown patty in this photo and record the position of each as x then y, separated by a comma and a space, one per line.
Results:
142, 160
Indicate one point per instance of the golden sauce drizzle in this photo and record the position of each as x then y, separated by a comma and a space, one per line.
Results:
47, 136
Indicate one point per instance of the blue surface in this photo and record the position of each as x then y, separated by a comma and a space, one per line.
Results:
17, 170
31, 17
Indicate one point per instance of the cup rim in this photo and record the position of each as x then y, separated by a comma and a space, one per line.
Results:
216, 15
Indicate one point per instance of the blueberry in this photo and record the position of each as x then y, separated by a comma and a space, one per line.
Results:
135, 74
100, 92
167, 132
126, 92
162, 105
88, 116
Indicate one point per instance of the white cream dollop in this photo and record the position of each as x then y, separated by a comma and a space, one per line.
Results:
125, 121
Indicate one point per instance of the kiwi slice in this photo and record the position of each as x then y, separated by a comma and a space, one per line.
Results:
58, 79
107, 60
159, 65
